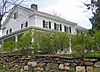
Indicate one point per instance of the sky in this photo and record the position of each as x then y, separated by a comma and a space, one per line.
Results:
72, 10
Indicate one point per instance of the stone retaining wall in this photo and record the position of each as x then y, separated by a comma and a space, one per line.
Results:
49, 64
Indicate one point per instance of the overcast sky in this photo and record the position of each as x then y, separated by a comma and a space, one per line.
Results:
72, 10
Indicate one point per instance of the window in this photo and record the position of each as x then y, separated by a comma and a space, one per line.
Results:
46, 24
79, 32
9, 31
65, 28
57, 27
15, 15
24, 24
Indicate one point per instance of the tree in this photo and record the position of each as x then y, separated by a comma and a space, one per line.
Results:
60, 41
79, 44
42, 42
94, 6
25, 42
90, 44
5, 7
9, 46
97, 39
50, 42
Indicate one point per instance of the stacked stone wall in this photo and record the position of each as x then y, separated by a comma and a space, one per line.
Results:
49, 63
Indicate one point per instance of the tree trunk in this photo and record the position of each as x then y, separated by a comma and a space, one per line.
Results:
0, 19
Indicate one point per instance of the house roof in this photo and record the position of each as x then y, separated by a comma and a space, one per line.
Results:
81, 28
35, 12
49, 16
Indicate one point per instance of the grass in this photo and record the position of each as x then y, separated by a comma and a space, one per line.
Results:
2, 69
93, 54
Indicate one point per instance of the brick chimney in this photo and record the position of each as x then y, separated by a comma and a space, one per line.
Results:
34, 6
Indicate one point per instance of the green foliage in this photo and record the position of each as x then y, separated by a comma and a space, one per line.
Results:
94, 6
78, 39
79, 49
79, 43
93, 54
24, 44
25, 40
97, 38
50, 42
2, 69
90, 44
9, 46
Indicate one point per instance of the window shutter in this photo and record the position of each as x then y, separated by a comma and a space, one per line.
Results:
65, 28
70, 29
7, 32
26, 24
21, 26
55, 26
15, 15
49, 25
43, 23
10, 30
60, 27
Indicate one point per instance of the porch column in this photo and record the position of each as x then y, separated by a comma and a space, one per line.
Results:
70, 49
32, 36
2, 44
16, 38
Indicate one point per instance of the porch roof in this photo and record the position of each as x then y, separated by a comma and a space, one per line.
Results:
22, 31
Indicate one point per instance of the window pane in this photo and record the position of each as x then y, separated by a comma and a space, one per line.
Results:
46, 24
57, 27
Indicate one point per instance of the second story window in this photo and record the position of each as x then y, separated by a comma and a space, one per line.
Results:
57, 27
24, 24
9, 31
65, 28
46, 24
15, 15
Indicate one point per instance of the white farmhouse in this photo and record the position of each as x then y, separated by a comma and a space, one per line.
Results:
21, 19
